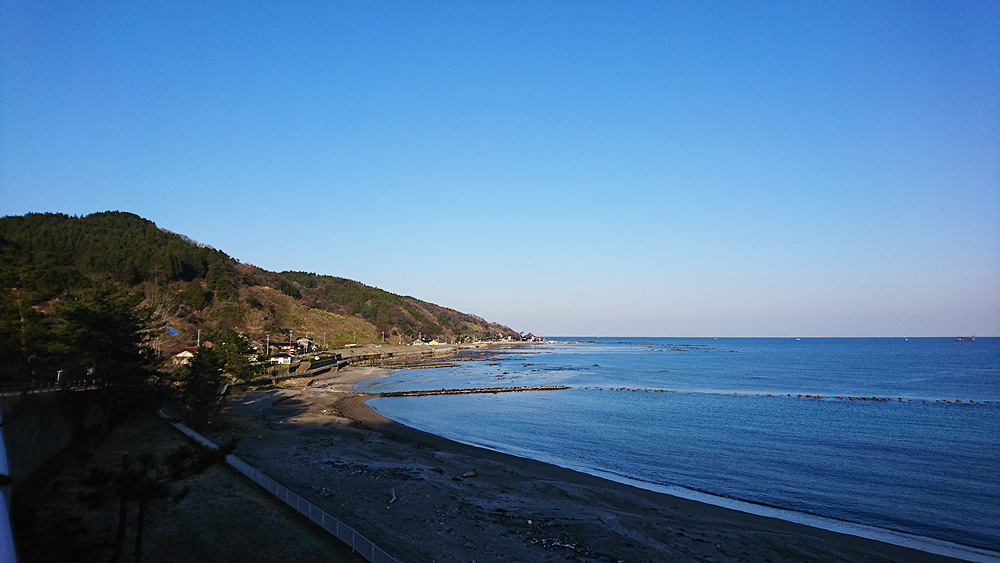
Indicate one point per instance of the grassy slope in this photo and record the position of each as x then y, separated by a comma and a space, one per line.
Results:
313, 322
48, 255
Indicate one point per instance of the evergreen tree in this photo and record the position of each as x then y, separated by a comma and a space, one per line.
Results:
237, 356
194, 296
200, 383
109, 337
219, 280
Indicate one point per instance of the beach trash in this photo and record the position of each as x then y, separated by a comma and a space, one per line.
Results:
472, 473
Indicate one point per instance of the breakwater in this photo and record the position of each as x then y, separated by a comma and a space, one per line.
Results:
787, 423
474, 391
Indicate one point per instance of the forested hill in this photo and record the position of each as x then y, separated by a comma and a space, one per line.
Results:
45, 257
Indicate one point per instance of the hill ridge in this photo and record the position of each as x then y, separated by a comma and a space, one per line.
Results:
196, 287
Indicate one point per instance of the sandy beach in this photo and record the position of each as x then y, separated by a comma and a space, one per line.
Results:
424, 498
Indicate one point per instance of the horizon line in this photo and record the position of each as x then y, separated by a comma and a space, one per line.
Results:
776, 337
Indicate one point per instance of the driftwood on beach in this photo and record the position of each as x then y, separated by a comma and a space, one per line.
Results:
471, 391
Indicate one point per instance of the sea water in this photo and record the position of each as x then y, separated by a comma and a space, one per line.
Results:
892, 434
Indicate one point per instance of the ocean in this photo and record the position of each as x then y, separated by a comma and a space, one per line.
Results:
892, 438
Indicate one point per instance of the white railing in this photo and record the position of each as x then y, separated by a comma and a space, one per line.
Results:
341, 531
16, 388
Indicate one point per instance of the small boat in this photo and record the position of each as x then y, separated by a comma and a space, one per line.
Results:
966, 339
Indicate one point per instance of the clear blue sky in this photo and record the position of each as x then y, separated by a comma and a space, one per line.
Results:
566, 168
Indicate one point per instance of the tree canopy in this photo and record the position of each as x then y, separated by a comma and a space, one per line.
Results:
107, 337
49, 262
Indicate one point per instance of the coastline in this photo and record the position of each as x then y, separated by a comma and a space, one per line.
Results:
411, 493
930, 545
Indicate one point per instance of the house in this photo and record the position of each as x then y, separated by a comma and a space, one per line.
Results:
305, 344
281, 359
286, 347
183, 357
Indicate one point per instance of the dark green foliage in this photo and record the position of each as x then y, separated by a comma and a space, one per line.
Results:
195, 296
305, 279
108, 336
124, 246
289, 289
43, 256
428, 326
200, 383
24, 329
237, 356
221, 280
387, 311
24, 336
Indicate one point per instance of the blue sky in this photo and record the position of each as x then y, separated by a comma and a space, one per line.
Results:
597, 168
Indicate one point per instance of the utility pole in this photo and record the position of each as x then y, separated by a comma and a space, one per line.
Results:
199, 338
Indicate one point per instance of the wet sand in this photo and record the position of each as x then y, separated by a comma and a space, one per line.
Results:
416, 495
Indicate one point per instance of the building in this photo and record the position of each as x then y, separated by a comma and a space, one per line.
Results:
183, 357
281, 359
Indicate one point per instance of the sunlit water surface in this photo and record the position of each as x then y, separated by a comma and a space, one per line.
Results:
724, 417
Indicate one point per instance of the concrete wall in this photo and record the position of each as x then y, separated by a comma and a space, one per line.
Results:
374, 354
38, 426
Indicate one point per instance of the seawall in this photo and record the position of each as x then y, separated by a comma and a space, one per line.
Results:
37, 426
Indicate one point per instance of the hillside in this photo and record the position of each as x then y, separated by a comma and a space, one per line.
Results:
46, 257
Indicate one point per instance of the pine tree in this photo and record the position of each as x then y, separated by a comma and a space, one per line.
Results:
109, 337
200, 383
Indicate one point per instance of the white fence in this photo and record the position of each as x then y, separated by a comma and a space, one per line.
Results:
341, 531
16, 388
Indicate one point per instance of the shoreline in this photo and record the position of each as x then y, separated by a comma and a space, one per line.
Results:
929, 545
411, 492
